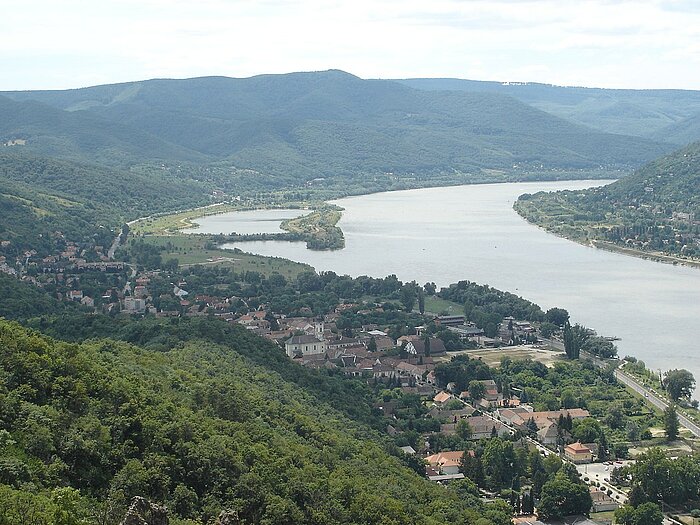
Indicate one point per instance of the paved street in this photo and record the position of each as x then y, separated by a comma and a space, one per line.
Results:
654, 399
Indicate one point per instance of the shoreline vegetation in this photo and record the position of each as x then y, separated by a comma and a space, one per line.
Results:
653, 213
528, 210
318, 228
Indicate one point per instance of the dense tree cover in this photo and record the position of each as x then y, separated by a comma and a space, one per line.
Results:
510, 467
321, 125
655, 209
487, 306
200, 427
656, 478
580, 384
40, 196
22, 300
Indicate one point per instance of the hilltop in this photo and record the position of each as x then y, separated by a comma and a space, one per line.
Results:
319, 125
653, 211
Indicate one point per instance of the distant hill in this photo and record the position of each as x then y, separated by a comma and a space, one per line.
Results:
644, 113
682, 132
654, 210
331, 124
81, 135
40, 195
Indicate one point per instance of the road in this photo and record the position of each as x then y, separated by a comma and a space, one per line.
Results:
598, 472
655, 400
631, 382
115, 245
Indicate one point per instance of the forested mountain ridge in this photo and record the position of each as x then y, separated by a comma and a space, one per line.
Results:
681, 132
660, 114
333, 124
656, 209
201, 428
81, 135
40, 196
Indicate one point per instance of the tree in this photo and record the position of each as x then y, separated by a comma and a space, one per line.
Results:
547, 329
477, 390
463, 429
501, 463
471, 466
679, 384
408, 297
644, 514
532, 428
561, 497
574, 339
569, 342
671, 423
372, 345
557, 316
430, 288
421, 301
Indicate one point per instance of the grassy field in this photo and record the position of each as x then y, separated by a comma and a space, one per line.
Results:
492, 356
437, 306
173, 222
190, 249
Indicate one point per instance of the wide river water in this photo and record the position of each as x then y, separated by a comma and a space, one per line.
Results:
471, 232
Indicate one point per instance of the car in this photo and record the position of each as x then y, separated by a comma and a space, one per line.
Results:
606, 467
618, 462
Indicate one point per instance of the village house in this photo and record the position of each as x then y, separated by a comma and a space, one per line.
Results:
134, 305
75, 295
446, 463
449, 320
87, 301
418, 347
519, 416
483, 427
548, 434
601, 501
578, 453
442, 398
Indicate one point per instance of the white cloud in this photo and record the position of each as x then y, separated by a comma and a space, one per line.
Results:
48, 44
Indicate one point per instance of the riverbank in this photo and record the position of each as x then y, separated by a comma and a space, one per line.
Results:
319, 230
561, 215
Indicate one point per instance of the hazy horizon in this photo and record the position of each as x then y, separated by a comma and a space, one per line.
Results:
214, 75
602, 43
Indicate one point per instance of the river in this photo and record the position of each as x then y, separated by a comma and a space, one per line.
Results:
471, 232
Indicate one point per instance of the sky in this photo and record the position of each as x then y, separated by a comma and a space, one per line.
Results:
50, 44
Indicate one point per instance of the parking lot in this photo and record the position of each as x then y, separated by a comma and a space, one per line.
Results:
601, 472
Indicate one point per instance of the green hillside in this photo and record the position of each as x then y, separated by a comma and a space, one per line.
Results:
84, 427
40, 195
654, 210
333, 124
80, 135
643, 113
682, 132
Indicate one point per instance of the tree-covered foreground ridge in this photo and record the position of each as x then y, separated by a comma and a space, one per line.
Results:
654, 212
205, 415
